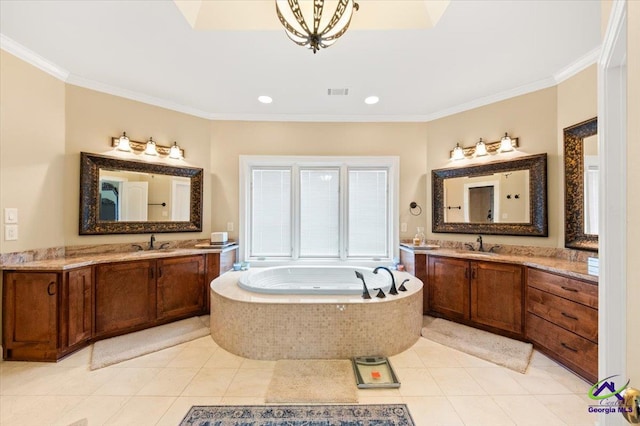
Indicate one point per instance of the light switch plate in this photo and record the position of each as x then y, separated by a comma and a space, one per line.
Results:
10, 232
10, 215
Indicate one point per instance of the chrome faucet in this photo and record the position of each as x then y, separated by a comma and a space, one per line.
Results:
393, 289
479, 240
151, 241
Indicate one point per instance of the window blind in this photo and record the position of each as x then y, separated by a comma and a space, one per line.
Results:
271, 215
367, 213
319, 213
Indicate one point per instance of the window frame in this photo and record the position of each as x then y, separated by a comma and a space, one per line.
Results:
344, 163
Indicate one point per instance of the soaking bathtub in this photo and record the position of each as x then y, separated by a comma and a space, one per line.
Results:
313, 280
278, 313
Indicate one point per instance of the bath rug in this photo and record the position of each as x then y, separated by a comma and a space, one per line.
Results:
499, 350
287, 415
312, 380
128, 346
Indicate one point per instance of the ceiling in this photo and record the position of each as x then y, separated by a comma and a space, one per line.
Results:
479, 52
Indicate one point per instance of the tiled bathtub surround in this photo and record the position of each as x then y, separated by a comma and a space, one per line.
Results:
271, 327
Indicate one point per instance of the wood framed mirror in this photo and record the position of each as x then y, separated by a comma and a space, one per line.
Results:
120, 196
581, 186
498, 198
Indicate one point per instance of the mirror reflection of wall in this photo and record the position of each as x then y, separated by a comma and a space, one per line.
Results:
497, 198
591, 177
143, 197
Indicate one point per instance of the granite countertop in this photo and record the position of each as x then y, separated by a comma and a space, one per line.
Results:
66, 263
569, 268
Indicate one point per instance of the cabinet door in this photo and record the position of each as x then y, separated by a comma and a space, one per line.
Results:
181, 286
80, 305
449, 287
30, 306
125, 295
416, 265
497, 295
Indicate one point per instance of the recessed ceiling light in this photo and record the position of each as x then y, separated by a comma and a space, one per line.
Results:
371, 100
265, 99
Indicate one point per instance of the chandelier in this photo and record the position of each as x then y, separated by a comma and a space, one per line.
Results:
304, 28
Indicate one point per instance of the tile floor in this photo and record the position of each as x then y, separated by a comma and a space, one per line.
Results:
440, 385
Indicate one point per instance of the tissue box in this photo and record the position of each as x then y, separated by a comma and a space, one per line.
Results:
219, 237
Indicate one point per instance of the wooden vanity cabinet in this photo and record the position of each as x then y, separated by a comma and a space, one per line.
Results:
77, 292
125, 296
180, 287
479, 293
49, 314
449, 287
30, 315
46, 314
416, 265
216, 265
562, 320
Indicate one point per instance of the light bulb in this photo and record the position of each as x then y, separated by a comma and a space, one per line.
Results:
151, 148
505, 144
481, 148
123, 143
174, 152
458, 152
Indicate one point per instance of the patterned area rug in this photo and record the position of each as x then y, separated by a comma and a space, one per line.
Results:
298, 415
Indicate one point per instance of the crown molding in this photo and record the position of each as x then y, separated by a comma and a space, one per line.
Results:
29, 56
38, 61
487, 100
136, 96
578, 65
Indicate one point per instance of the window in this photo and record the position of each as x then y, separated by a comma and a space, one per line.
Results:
318, 208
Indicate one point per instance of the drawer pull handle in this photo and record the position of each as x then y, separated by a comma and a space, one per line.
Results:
564, 345
569, 289
51, 288
564, 314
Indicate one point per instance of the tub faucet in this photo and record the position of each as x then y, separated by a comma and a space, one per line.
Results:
151, 241
393, 289
365, 292
380, 294
402, 287
480, 247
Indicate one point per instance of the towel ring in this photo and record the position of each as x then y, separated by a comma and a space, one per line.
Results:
414, 206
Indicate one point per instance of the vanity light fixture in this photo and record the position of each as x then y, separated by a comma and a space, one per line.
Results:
123, 143
151, 148
301, 20
175, 151
457, 153
481, 149
505, 143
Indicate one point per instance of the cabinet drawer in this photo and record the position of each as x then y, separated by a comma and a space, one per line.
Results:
570, 348
569, 288
572, 316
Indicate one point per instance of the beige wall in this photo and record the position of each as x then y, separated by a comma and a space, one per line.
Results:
32, 150
231, 139
93, 118
633, 201
532, 118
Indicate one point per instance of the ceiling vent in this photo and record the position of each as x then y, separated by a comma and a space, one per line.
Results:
337, 92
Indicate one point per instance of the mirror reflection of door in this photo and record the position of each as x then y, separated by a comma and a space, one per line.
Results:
109, 208
481, 204
135, 197
180, 199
